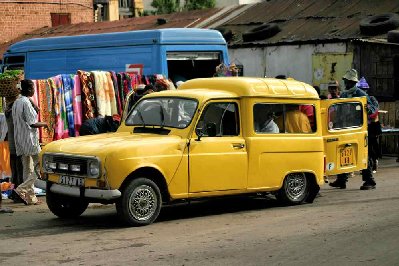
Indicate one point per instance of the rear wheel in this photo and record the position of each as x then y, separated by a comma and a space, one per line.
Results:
140, 203
295, 189
65, 206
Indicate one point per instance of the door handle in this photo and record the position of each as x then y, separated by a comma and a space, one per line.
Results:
348, 144
238, 145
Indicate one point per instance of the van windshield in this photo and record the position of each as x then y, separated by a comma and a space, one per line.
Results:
163, 112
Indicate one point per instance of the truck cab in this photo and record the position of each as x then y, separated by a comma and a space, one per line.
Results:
212, 137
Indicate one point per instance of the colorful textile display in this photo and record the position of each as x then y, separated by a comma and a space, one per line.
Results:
66, 101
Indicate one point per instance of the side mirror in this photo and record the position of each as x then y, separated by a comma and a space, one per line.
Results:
211, 129
199, 133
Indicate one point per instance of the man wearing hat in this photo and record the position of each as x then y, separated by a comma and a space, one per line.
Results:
351, 90
374, 127
333, 90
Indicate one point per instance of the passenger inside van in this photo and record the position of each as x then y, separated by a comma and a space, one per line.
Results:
294, 121
264, 119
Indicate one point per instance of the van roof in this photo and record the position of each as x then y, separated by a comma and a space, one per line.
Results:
259, 87
159, 36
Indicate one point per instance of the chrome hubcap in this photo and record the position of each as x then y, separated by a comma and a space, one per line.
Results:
143, 203
296, 186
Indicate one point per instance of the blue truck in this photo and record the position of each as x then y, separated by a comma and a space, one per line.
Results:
179, 53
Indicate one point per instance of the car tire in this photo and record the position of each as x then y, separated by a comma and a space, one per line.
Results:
379, 24
262, 32
65, 206
140, 203
295, 189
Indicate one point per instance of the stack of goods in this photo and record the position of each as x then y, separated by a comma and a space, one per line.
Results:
8, 83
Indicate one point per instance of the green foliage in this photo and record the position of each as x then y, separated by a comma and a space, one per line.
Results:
165, 6
11, 74
199, 4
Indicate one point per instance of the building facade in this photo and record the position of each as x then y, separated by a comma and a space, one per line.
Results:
19, 17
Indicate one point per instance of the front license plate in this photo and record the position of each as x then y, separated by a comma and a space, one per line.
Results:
347, 156
72, 181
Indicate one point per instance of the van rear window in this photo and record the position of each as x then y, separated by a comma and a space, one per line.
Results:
345, 115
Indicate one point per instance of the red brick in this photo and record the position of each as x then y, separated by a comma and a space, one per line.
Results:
23, 18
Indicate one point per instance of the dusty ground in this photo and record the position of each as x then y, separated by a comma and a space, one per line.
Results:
342, 227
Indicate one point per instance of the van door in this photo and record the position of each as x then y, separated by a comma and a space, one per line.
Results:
218, 160
344, 129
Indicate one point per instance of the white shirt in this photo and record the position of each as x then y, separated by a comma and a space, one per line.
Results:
26, 137
3, 127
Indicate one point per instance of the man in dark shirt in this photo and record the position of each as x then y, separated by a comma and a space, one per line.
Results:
99, 125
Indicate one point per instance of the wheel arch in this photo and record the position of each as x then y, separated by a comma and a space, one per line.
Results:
154, 175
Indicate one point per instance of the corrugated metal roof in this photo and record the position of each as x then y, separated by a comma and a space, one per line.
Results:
301, 21
309, 20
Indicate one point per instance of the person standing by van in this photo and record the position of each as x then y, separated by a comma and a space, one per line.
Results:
26, 136
333, 93
374, 126
15, 161
351, 90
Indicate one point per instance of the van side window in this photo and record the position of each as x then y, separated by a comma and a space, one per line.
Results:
345, 115
264, 116
284, 118
219, 119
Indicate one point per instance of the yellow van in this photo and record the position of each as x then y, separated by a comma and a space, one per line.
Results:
212, 137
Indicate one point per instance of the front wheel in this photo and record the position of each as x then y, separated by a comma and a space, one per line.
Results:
295, 189
140, 203
65, 206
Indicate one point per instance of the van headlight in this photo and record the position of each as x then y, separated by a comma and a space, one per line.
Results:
47, 163
93, 168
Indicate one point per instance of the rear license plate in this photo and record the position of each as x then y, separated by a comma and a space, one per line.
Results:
72, 181
347, 156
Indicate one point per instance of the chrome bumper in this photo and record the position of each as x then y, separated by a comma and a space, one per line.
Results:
75, 191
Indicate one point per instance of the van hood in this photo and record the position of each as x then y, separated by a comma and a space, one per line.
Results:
101, 144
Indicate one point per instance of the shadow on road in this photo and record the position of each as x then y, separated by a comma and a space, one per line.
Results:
105, 218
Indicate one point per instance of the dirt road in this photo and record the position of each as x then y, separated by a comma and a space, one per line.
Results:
342, 227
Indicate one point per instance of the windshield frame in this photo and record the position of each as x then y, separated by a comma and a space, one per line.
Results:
144, 124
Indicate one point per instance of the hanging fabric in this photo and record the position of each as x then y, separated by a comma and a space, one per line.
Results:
46, 113
68, 85
61, 124
89, 105
77, 104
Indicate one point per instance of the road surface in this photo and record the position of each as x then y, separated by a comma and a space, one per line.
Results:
342, 227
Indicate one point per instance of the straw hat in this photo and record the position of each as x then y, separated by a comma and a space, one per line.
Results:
351, 75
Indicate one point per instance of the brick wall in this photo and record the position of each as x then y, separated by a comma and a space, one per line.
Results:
21, 16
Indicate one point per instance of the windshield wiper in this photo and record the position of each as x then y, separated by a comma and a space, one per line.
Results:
141, 116
162, 115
